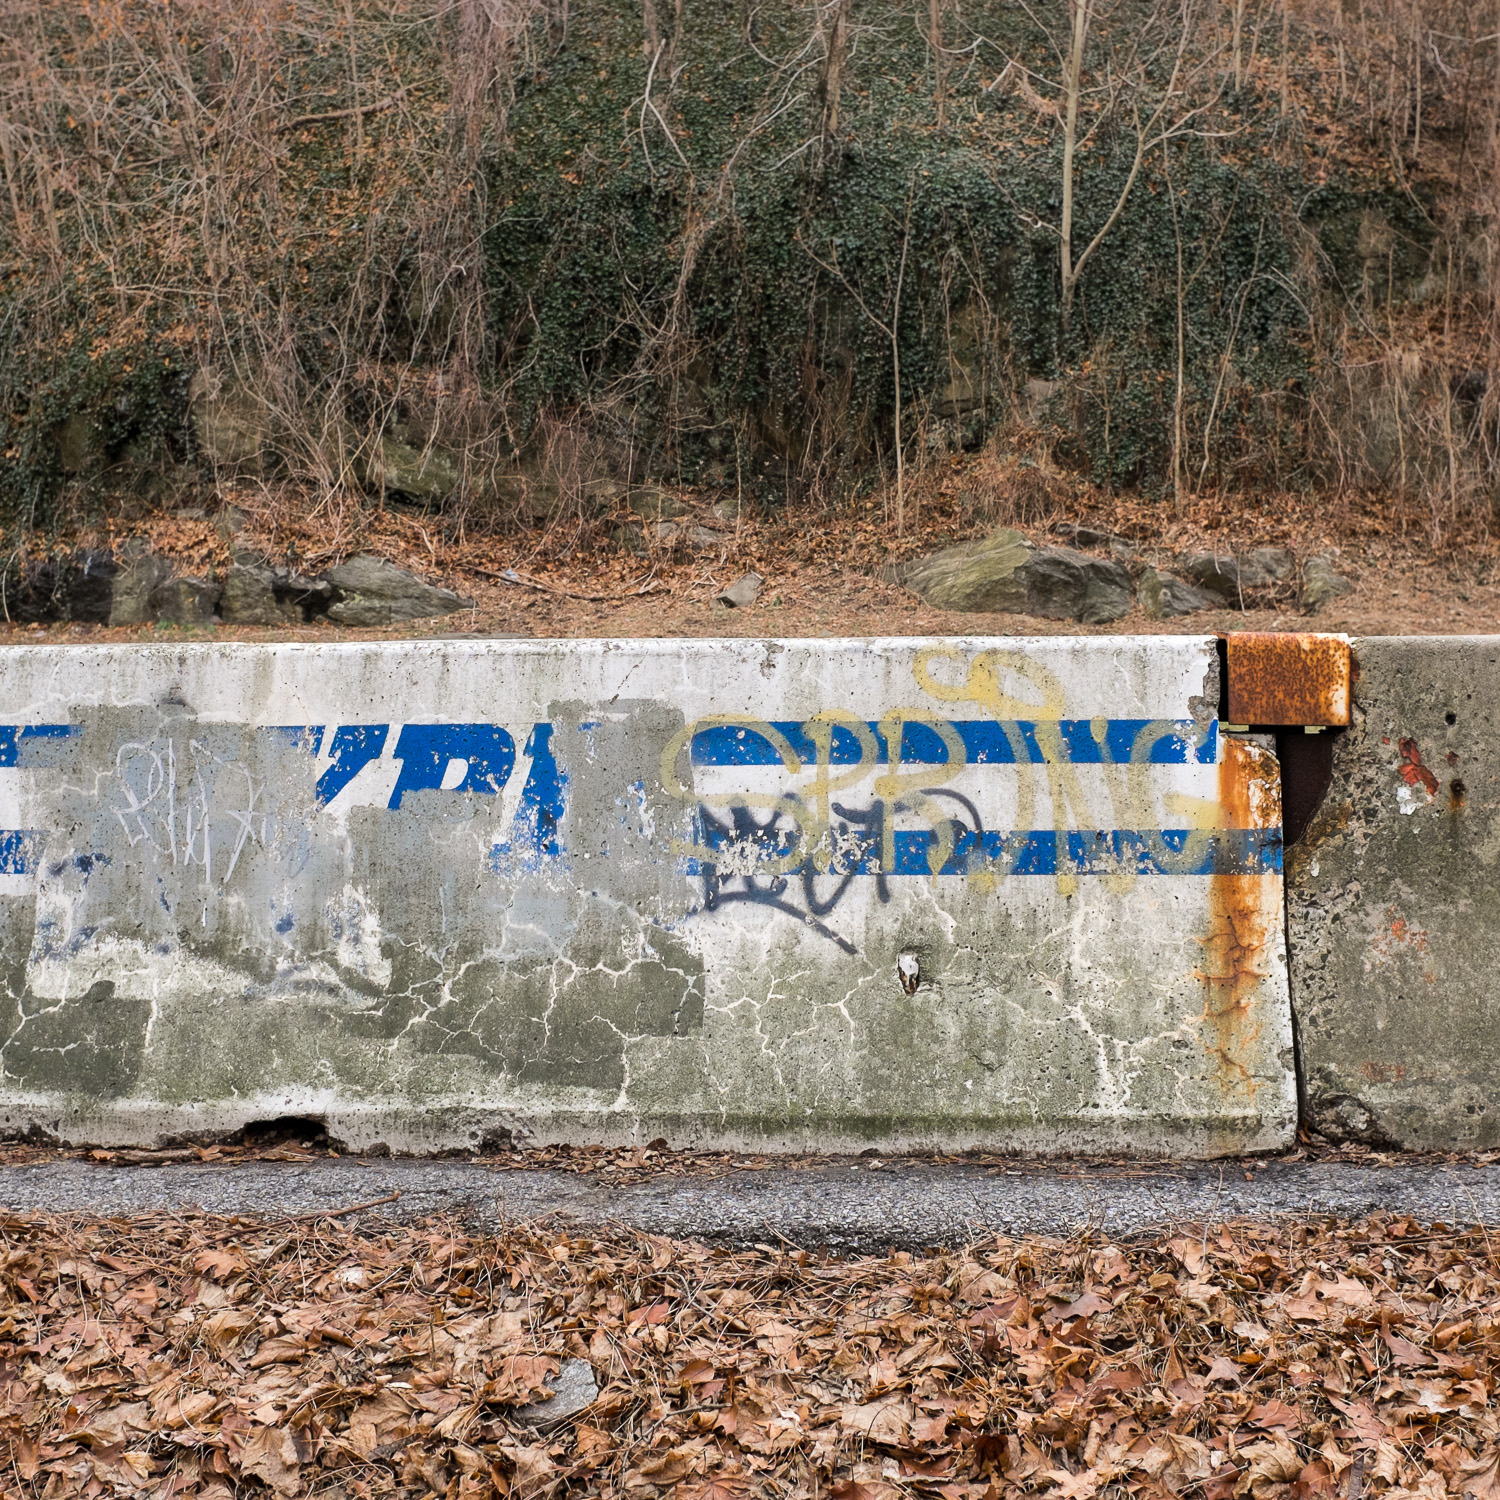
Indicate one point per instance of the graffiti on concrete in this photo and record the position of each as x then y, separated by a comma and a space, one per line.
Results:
816, 804
434, 889
786, 814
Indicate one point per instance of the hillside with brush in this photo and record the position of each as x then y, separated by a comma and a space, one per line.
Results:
517, 264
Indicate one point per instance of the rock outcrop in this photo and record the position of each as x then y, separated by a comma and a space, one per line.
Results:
256, 593
1321, 585
1164, 596
370, 591
1066, 585
976, 577
1003, 573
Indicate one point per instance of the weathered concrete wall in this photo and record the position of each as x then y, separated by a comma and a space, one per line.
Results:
605, 891
1394, 904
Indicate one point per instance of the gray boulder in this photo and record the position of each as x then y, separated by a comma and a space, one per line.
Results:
78, 443
574, 1388
1261, 567
141, 574
1230, 578
1163, 596
975, 577
232, 427
250, 597
651, 503
185, 601
1065, 585
1216, 573
1107, 596
404, 469
743, 592
1321, 585
698, 538
143, 588
371, 591
255, 593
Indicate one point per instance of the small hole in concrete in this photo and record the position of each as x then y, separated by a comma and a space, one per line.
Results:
1450, 717
308, 1133
908, 972
1458, 790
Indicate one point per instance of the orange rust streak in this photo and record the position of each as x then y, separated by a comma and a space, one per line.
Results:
1243, 912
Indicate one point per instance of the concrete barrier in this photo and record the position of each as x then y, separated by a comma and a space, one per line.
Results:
780, 894
1394, 904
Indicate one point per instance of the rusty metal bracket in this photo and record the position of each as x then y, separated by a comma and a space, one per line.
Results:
1282, 679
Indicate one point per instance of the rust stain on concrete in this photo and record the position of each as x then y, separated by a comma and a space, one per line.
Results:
1413, 771
1243, 914
1280, 678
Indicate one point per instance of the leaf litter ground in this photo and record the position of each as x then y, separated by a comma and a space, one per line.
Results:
215, 1358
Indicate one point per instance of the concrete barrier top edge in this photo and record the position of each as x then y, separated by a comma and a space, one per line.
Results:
658, 644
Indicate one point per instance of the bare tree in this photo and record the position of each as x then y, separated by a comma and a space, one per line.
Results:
833, 28
1171, 37
939, 61
889, 326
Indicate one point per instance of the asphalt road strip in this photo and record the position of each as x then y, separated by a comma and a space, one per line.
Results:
860, 1207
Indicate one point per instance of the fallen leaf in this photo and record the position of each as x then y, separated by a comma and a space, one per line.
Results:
1404, 1352
1479, 1478
270, 1453
1074, 1486
1081, 1307
887, 1422
1277, 1461
226, 1328
1189, 1253
1314, 1482
1274, 1413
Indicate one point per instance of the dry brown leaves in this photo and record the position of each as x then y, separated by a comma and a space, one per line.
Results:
622, 1165
187, 1358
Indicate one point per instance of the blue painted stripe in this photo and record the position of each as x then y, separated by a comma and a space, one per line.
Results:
11, 736
1157, 851
20, 849
1160, 742
308, 737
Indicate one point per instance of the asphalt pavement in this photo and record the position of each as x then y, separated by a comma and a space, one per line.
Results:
852, 1207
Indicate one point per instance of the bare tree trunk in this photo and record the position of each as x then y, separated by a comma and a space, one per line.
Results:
939, 62
1286, 57
1179, 434
1072, 85
1239, 31
896, 369
359, 127
1071, 265
831, 80
1416, 72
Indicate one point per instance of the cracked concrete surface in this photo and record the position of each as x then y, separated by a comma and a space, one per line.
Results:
436, 894
847, 1207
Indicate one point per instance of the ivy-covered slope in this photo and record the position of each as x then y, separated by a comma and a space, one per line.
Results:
771, 243
752, 283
